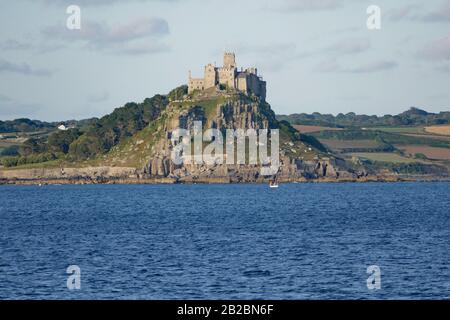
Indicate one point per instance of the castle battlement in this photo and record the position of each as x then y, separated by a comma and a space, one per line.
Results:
246, 81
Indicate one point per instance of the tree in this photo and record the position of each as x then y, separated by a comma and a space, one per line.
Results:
60, 141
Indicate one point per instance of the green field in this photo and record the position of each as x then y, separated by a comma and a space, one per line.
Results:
383, 157
336, 144
399, 129
41, 165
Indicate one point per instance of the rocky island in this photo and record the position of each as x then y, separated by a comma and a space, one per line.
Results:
134, 144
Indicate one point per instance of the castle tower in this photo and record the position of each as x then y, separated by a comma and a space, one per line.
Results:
210, 76
229, 60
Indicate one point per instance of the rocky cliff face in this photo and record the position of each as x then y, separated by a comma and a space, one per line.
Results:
146, 157
89, 175
299, 160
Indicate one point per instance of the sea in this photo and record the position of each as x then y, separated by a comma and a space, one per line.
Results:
243, 241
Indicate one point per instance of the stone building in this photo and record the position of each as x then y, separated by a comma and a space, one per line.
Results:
230, 77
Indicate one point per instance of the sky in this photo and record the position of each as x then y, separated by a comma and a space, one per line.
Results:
316, 55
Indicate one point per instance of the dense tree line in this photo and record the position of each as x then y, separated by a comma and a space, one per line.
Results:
25, 125
123, 122
110, 130
37, 150
411, 117
92, 137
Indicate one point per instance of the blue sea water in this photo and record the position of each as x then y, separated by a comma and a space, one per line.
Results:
300, 241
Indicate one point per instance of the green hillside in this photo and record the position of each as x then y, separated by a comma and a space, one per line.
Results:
412, 117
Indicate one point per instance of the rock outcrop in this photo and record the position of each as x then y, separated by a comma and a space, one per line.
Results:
299, 161
68, 175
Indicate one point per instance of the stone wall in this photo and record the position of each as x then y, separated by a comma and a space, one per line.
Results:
210, 76
196, 84
226, 77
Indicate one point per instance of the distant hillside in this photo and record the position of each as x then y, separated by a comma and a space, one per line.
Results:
25, 125
25, 136
111, 129
85, 139
412, 117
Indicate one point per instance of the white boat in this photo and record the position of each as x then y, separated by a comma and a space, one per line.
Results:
273, 184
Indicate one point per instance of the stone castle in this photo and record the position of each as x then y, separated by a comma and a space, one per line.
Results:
229, 77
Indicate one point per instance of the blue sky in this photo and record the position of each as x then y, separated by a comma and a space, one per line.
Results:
316, 55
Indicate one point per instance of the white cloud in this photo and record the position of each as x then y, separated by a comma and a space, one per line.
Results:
95, 2
350, 46
419, 13
329, 65
442, 13
4, 98
12, 110
144, 48
23, 68
309, 5
405, 12
375, 66
436, 50
138, 36
332, 66
101, 34
98, 97
12, 44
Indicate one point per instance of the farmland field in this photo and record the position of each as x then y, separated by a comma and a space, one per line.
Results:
348, 144
429, 136
429, 152
440, 130
8, 143
384, 157
399, 129
309, 129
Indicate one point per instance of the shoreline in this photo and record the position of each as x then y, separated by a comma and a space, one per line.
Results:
171, 181
130, 175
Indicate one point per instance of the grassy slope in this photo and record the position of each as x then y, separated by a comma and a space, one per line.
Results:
398, 138
383, 157
390, 138
136, 150
400, 130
